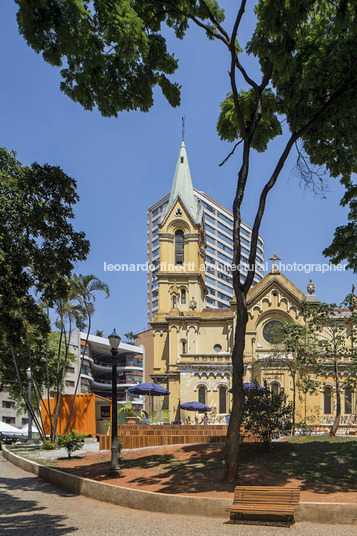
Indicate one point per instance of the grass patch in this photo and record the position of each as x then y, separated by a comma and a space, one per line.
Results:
330, 460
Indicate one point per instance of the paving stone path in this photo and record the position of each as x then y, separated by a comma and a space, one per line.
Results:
31, 507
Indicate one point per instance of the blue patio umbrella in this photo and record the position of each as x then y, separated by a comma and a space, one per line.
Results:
195, 406
151, 389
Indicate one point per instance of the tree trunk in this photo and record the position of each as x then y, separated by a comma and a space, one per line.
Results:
336, 423
79, 373
294, 403
233, 433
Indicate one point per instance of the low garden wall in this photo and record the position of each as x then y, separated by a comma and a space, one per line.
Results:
141, 435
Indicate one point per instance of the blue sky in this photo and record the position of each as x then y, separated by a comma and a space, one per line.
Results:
124, 165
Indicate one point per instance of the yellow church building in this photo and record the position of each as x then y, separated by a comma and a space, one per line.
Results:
191, 345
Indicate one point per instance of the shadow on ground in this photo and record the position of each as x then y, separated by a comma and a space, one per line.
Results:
25, 517
319, 466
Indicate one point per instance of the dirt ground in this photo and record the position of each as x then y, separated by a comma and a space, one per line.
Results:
193, 470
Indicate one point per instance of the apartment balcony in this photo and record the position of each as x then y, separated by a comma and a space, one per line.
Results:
107, 368
107, 384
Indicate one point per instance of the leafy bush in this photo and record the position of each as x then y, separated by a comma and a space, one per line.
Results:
120, 442
48, 445
71, 442
267, 414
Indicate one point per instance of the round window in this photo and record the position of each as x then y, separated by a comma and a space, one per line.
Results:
272, 331
217, 348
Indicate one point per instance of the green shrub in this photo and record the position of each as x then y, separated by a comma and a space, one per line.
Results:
71, 442
48, 445
120, 442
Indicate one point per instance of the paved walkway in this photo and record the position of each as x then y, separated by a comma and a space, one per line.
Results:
31, 507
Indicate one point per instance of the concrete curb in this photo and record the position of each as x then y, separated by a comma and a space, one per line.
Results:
159, 502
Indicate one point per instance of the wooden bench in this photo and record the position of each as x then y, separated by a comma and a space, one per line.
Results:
265, 500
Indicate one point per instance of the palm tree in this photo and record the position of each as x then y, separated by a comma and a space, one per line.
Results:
83, 290
68, 313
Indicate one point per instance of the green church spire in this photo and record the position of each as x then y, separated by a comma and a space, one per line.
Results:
182, 184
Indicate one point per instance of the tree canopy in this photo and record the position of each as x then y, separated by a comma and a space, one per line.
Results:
38, 244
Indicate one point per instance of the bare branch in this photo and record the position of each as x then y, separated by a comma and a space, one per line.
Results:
266, 78
231, 153
245, 74
258, 218
312, 177
232, 74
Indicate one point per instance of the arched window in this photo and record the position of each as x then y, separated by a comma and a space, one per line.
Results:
327, 400
179, 247
202, 395
183, 295
274, 388
348, 401
222, 400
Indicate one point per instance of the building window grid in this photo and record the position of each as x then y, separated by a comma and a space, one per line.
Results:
210, 229
225, 248
7, 404
210, 219
223, 296
210, 280
224, 287
227, 220
8, 420
211, 291
207, 206
228, 230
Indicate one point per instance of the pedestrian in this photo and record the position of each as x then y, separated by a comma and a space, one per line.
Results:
205, 419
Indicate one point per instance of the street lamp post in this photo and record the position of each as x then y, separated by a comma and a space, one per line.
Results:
114, 341
29, 433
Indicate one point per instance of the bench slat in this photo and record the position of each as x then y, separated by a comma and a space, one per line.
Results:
265, 500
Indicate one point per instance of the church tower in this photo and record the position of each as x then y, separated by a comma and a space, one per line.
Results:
181, 286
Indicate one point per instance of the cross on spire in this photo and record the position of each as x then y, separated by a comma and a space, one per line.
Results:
183, 128
275, 258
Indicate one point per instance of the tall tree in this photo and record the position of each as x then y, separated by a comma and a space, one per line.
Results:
291, 353
38, 245
113, 53
38, 249
335, 351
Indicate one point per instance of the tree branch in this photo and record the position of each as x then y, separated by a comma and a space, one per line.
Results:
214, 21
196, 21
231, 153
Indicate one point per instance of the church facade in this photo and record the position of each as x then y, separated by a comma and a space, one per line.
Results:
192, 345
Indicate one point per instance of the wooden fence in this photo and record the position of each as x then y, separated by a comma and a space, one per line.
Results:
138, 435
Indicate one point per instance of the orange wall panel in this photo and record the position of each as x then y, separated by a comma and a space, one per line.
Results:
83, 415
